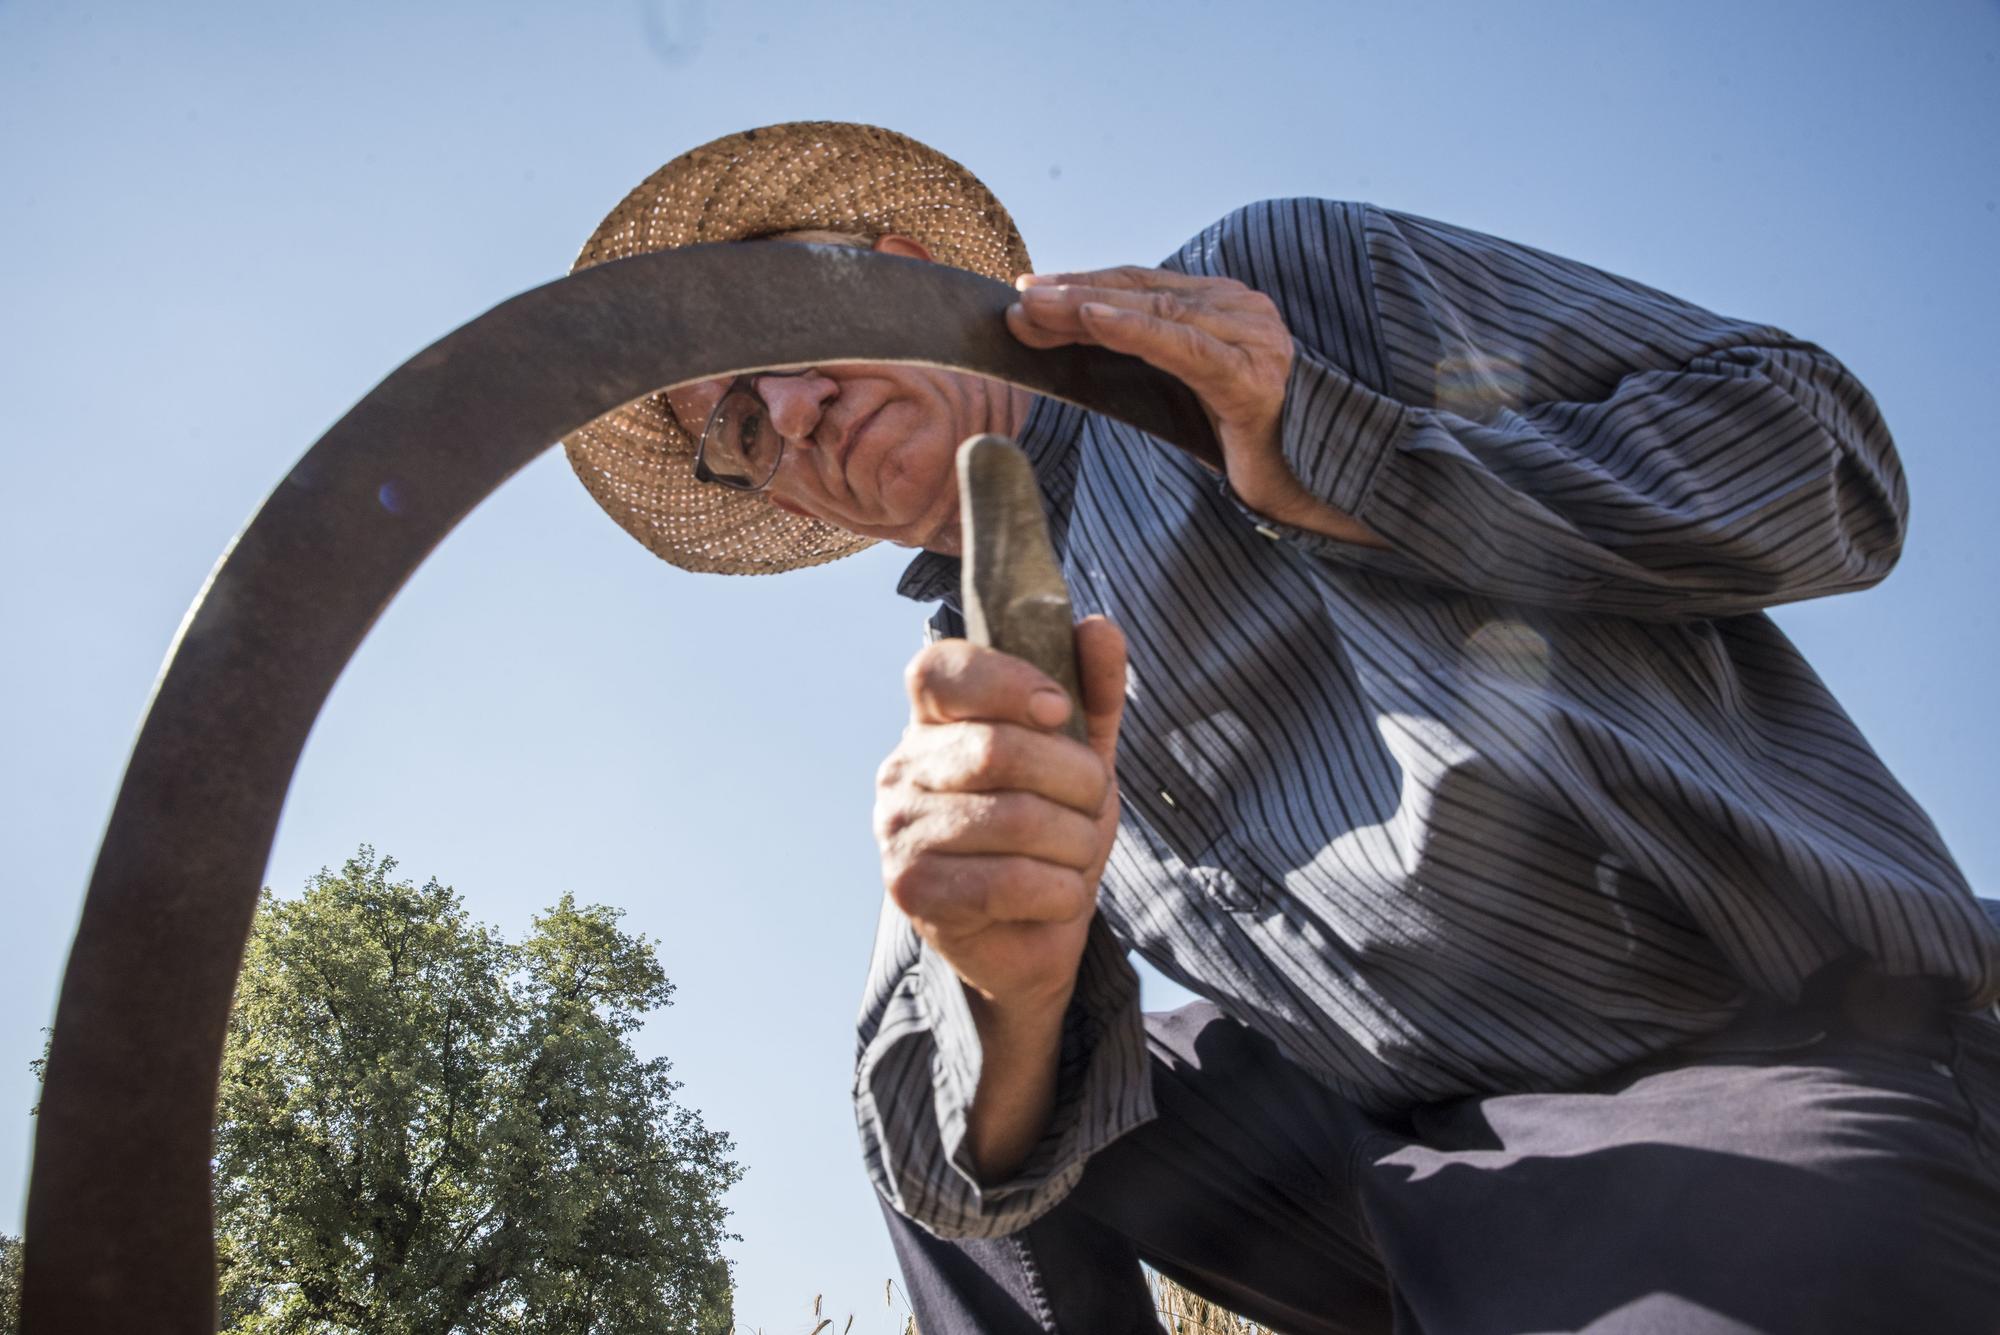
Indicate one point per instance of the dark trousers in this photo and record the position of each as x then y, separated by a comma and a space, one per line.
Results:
1829, 1168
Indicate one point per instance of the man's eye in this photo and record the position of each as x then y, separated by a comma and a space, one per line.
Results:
747, 432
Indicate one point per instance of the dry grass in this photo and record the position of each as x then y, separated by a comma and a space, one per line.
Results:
1184, 1313
1181, 1312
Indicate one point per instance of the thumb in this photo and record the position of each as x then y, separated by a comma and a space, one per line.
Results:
1100, 672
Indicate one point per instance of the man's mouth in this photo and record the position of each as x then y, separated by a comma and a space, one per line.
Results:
845, 449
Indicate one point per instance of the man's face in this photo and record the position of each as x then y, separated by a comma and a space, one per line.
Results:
869, 447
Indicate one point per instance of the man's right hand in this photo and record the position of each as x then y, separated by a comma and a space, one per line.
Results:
993, 827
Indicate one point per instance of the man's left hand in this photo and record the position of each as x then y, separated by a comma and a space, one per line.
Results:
1225, 341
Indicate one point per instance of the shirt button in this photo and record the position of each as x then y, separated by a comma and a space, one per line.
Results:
1168, 798
1269, 532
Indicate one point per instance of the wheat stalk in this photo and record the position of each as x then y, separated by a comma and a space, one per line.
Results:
1183, 1312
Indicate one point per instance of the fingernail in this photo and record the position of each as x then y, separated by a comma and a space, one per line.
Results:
1097, 310
1041, 294
1048, 707
1028, 280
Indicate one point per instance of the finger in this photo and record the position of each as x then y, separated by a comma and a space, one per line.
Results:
1100, 670
1208, 365
1049, 316
1011, 823
955, 680
1051, 306
1052, 316
1041, 333
999, 757
1238, 305
959, 893
1127, 276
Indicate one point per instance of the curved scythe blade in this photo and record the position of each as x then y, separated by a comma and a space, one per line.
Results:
118, 1222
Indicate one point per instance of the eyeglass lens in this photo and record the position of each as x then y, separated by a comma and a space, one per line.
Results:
740, 446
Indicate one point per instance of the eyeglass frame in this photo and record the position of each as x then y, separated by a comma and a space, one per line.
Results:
747, 384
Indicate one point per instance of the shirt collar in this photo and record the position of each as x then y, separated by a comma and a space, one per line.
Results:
1049, 438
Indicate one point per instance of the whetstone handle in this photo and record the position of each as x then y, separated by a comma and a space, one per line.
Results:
1015, 598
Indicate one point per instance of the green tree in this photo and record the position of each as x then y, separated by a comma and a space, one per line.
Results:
424, 1129
10, 1284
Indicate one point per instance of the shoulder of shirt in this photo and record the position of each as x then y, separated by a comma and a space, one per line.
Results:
1205, 252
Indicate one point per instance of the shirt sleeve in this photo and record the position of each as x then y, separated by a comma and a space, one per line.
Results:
1527, 427
918, 1066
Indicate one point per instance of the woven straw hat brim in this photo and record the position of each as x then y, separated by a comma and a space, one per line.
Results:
636, 461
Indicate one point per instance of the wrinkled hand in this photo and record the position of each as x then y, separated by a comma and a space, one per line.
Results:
1225, 341
993, 828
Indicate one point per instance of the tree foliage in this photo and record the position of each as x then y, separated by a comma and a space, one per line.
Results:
424, 1129
10, 1284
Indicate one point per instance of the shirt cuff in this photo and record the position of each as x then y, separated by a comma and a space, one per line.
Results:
921, 1161
1339, 437
1336, 433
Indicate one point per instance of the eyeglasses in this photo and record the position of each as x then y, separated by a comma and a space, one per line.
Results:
739, 447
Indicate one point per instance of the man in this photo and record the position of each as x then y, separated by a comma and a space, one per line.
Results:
1570, 958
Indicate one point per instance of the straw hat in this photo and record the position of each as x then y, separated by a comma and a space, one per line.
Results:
637, 461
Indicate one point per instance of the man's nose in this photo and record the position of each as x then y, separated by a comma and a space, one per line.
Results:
795, 402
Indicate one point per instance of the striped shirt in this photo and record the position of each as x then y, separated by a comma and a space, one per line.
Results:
1534, 794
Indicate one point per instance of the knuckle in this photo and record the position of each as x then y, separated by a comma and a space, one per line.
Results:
892, 820
982, 753
1086, 899
1168, 305
953, 822
913, 884
934, 664
923, 671
1074, 888
904, 884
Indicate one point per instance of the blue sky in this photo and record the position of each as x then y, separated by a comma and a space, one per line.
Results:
222, 224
